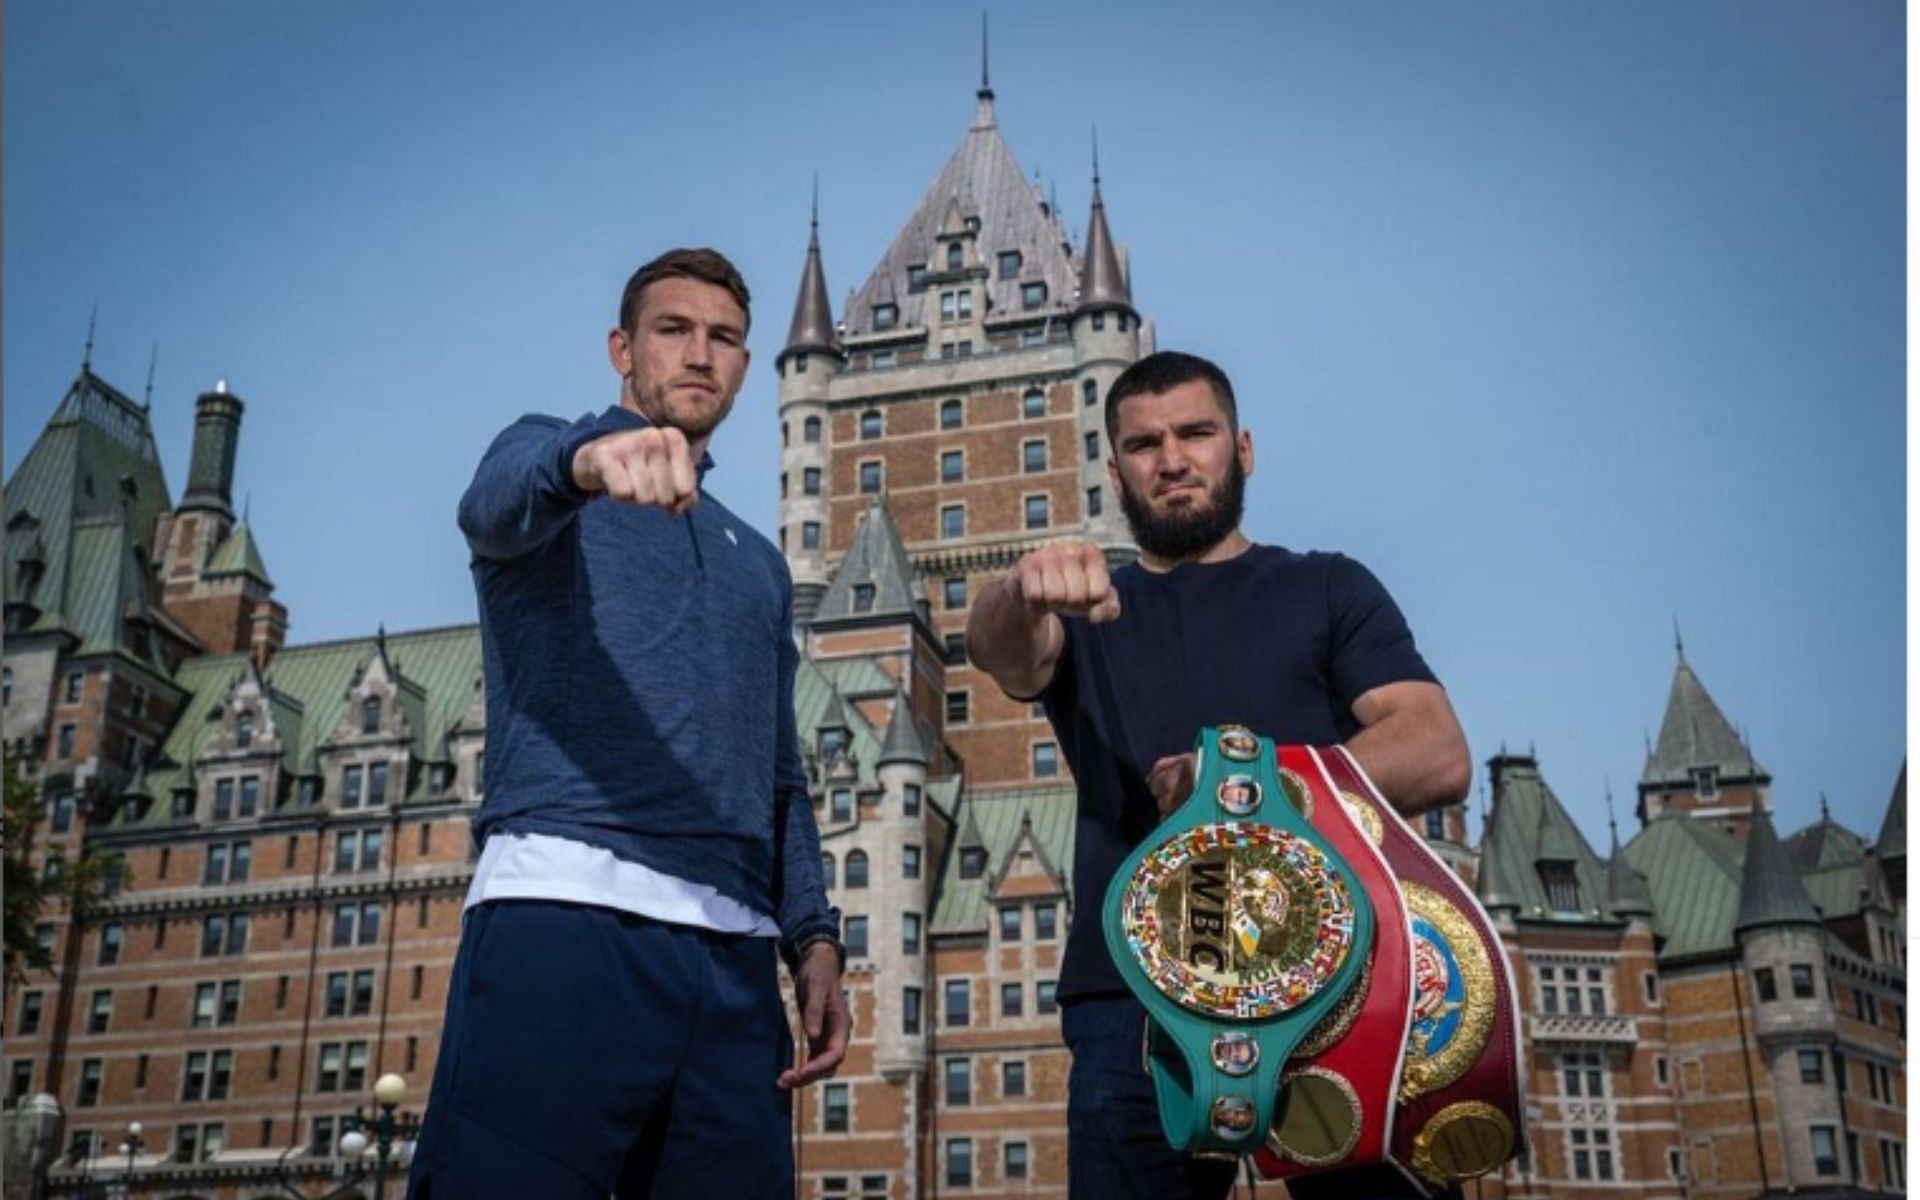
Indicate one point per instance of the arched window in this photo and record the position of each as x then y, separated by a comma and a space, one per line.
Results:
810, 431
956, 257
1033, 404
856, 868
370, 715
826, 868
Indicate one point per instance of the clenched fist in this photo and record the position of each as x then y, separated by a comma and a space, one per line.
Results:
649, 467
1068, 578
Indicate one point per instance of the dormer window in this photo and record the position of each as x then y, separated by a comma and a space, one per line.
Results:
832, 739
885, 316
841, 805
973, 862
1033, 295
1563, 887
1706, 781
370, 715
956, 256
863, 597
917, 278
243, 730
1009, 264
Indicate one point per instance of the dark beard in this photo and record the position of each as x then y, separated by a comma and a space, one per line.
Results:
1188, 532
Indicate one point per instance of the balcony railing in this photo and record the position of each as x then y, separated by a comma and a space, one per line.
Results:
1577, 1027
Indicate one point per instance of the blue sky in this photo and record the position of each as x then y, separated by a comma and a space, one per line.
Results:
1569, 320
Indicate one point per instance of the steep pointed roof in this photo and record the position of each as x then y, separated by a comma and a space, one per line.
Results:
1529, 826
1770, 890
983, 180
902, 743
1695, 733
239, 554
812, 328
1627, 893
833, 715
877, 558
80, 509
1103, 285
1892, 842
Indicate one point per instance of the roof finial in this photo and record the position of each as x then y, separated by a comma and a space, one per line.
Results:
1613, 827
86, 355
986, 86
1824, 814
1648, 739
814, 220
246, 510
153, 360
1679, 645
1096, 161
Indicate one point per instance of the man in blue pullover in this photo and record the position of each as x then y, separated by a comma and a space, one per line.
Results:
614, 1021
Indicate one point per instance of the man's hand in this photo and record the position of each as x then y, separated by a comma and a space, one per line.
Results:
1069, 578
649, 467
1171, 782
824, 1013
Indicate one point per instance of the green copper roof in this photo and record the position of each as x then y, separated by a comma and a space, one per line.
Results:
1528, 827
876, 559
1770, 891
1695, 733
1825, 843
1627, 893
307, 695
79, 507
1836, 891
239, 555
1693, 873
961, 905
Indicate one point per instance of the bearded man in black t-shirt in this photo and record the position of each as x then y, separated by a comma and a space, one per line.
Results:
1207, 628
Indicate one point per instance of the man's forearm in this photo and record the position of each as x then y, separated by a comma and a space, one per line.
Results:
1010, 642
1418, 760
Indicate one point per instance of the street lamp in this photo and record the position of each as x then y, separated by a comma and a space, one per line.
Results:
388, 1092
132, 1146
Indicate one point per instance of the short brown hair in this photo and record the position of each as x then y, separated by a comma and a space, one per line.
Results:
707, 266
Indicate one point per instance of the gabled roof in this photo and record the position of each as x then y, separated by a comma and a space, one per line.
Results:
876, 558
995, 820
239, 554
982, 179
1695, 733
80, 508
307, 691
1529, 826
1693, 873
1770, 891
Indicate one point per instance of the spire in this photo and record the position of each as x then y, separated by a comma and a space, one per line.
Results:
1770, 891
1694, 733
1892, 842
1679, 643
153, 360
86, 355
1102, 284
812, 328
983, 115
902, 743
1627, 893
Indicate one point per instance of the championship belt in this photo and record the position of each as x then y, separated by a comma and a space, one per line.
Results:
1460, 1112
1240, 929
1338, 1094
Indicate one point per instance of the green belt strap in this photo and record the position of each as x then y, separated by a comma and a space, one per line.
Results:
1239, 928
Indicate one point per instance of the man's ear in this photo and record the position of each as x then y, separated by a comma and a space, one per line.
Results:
620, 352
1245, 451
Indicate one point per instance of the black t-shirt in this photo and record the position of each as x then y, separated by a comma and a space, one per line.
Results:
1280, 642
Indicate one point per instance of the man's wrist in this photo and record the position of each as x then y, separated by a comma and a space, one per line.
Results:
806, 946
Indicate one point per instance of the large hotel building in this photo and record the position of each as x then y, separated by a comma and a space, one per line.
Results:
1711, 1011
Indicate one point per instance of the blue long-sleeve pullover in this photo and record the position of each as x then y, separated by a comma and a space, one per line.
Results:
639, 671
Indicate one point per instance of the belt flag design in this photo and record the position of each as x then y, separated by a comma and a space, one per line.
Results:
1322, 991
1240, 929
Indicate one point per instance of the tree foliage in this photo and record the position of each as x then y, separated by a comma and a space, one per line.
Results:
29, 887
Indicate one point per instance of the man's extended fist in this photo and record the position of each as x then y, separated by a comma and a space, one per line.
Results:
1069, 578
650, 467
